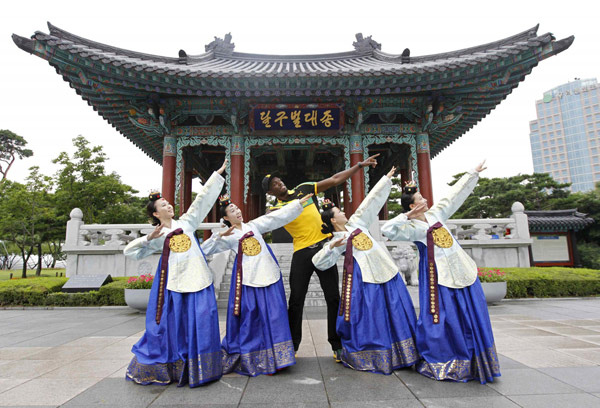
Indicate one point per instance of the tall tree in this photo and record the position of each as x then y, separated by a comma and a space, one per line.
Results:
82, 182
12, 146
493, 198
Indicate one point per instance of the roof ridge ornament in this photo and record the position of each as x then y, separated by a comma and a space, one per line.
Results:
365, 44
221, 46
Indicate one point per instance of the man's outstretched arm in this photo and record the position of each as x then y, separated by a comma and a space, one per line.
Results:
344, 175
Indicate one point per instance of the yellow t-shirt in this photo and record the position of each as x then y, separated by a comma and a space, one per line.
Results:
306, 228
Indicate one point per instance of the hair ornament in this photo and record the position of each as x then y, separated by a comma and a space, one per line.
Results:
224, 200
327, 204
154, 196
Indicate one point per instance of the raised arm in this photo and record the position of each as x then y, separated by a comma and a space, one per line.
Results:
459, 192
204, 201
281, 217
367, 211
344, 175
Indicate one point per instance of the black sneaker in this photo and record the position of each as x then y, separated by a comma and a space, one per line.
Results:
337, 355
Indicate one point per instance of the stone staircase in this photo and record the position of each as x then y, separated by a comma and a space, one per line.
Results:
283, 253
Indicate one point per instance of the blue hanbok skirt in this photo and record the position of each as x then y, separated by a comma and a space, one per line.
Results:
185, 347
461, 346
258, 341
380, 336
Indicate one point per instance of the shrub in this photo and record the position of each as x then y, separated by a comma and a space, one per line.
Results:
589, 254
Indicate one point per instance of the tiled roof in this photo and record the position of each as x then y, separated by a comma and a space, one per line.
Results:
557, 220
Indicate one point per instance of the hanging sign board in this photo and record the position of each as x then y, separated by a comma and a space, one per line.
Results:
323, 118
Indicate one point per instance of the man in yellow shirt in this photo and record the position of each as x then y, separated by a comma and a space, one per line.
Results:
308, 240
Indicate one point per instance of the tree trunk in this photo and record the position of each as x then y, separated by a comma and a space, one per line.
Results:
38, 270
24, 272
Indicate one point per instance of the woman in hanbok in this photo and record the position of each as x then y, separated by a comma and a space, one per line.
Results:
182, 342
376, 320
257, 338
454, 333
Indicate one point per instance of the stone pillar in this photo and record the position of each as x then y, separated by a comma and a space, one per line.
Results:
169, 164
237, 173
424, 166
521, 232
358, 178
72, 240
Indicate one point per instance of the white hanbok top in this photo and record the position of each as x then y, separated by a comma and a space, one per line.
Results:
376, 264
259, 270
455, 269
188, 271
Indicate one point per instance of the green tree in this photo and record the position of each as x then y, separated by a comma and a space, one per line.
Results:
82, 182
393, 204
493, 198
11, 148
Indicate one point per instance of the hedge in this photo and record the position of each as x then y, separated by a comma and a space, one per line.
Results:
46, 292
551, 282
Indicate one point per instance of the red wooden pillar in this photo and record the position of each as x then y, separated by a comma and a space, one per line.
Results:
187, 190
237, 173
358, 178
346, 198
424, 166
168, 164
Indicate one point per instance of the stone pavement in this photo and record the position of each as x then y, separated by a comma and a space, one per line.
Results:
549, 357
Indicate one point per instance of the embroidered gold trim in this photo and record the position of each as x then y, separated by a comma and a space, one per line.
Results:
251, 246
362, 242
442, 238
180, 243
482, 367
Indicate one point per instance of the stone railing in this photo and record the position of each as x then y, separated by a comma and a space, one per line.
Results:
98, 248
94, 249
492, 242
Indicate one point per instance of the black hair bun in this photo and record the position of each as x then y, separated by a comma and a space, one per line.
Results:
327, 205
154, 196
224, 201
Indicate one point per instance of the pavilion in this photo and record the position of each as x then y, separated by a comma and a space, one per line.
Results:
306, 116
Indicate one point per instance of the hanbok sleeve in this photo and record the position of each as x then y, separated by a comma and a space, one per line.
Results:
459, 192
279, 218
140, 247
327, 257
204, 201
216, 243
400, 228
367, 211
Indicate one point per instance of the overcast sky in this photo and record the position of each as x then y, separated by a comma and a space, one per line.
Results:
38, 105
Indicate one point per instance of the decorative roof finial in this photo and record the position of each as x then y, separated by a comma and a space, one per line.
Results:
220, 46
367, 44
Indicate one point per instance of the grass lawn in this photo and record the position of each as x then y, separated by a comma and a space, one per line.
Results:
5, 275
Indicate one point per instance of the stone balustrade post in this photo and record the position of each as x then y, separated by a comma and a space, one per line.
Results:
521, 224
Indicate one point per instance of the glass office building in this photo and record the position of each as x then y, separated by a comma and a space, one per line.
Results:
565, 137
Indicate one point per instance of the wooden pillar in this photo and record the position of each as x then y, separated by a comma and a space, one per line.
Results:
424, 166
358, 178
405, 175
168, 164
187, 190
383, 214
346, 197
237, 174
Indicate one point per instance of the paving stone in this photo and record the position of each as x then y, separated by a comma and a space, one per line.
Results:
424, 387
545, 323
300, 383
95, 341
18, 353
592, 355
86, 369
557, 400
546, 358
562, 342
121, 352
582, 322
470, 402
45, 391
8, 383
530, 381
224, 391
508, 363
528, 332
28, 369
290, 405
573, 331
117, 392
60, 353
403, 403
585, 378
